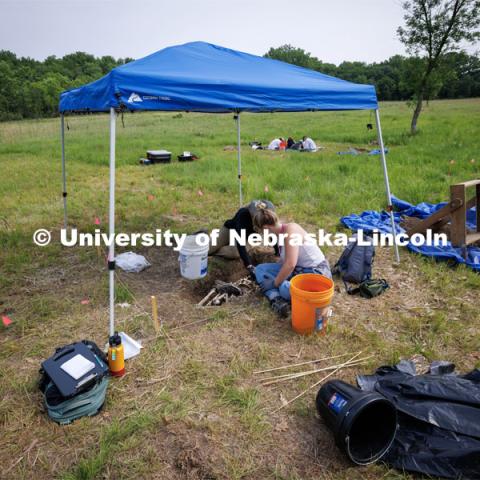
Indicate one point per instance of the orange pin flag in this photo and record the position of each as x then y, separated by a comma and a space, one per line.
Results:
266, 189
6, 321
150, 198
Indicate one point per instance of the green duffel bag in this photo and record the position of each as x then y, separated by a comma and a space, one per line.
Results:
65, 410
370, 288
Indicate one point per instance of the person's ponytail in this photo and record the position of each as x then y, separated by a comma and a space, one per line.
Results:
264, 217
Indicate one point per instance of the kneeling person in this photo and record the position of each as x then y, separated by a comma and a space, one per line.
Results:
274, 278
243, 220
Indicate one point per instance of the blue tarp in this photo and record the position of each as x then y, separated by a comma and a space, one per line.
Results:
202, 77
354, 151
371, 220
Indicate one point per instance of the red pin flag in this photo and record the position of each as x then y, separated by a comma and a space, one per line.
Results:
200, 193
85, 301
97, 221
6, 321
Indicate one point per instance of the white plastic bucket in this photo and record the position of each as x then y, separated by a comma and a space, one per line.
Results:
193, 259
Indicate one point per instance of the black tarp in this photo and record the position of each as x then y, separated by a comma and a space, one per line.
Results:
438, 416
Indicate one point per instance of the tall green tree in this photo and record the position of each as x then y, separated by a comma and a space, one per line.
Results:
432, 29
296, 56
9, 103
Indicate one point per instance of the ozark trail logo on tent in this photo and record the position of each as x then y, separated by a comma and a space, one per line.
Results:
134, 97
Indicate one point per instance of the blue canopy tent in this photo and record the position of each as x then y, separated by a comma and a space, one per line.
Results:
201, 77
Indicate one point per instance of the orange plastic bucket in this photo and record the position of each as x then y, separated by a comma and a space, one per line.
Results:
311, 293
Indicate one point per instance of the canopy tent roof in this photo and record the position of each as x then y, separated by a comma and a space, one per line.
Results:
202, 77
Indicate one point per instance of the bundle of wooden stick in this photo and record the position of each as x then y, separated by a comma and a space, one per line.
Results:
284, 377
223, 291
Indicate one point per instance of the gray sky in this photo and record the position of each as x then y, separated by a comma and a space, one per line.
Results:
332, 30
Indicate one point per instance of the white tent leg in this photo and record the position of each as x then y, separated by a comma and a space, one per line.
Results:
111, 222
239, 159
64, 173
387, 183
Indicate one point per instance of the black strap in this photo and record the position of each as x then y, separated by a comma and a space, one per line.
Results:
351, 290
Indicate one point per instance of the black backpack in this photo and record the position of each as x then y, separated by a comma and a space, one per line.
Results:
355, 263
355, 266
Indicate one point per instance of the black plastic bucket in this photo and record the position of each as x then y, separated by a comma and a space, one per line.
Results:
364, 423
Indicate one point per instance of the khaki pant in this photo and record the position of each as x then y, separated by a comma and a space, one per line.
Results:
222, 248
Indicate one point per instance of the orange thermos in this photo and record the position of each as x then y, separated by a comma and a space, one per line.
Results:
116, 357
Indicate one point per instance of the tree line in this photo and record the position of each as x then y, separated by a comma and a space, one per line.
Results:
458, 75
30, 88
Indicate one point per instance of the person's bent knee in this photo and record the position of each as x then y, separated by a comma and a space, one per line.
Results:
260, 270
264, 269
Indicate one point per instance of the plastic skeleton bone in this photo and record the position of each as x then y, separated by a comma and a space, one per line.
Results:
223, 291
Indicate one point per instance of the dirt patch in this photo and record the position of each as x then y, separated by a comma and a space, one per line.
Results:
193, 457
172, 451
227, 271
164, 275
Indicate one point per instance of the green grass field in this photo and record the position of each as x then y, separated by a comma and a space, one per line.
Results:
190, 405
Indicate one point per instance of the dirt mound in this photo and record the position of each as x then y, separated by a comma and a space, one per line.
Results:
164, 274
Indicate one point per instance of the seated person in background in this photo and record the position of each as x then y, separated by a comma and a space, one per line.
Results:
308, 145
275, 144
273, 278
293, 145
243, 219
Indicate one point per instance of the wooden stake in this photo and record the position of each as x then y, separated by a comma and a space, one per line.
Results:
307, 372
317, 383
156, 324
299, 364
283, 378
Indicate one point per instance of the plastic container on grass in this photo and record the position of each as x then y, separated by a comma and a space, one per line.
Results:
364, 423
193, 259
311, 295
